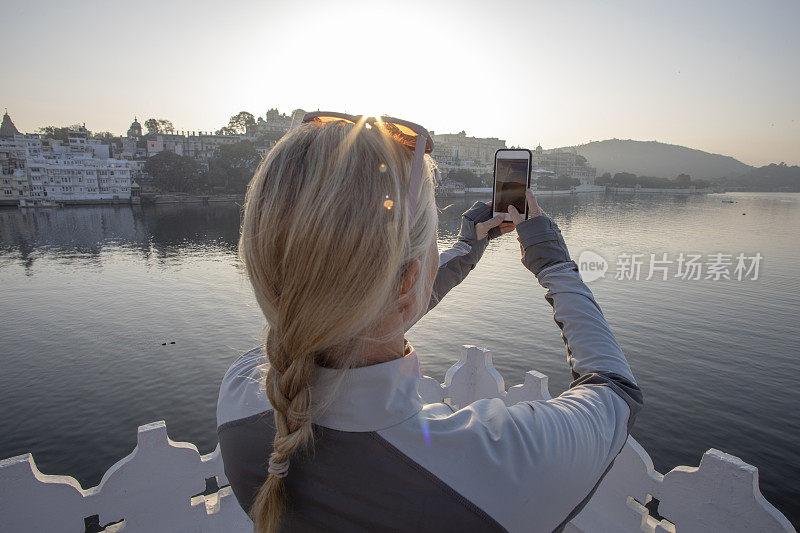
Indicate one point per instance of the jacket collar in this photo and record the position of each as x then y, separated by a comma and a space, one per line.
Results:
369, 398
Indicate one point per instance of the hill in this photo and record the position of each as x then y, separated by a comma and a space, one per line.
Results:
660, 160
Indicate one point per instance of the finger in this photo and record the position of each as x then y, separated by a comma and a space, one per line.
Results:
494, 221
482, 228
516, 218
533, 204
506, 227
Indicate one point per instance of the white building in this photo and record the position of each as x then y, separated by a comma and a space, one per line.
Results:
78, 170
456, 148
15, 150
564, 162
200, 146
457, 151
79, 178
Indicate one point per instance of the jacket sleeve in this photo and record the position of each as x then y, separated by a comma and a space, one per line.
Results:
456, 262
587, 426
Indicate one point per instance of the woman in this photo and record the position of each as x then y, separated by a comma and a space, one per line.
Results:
327, 431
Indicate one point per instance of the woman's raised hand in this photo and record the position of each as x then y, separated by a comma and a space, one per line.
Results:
533, 209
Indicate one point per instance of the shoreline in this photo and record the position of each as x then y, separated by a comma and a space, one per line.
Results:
179, 199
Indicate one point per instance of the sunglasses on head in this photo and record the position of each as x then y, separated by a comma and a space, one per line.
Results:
410, 135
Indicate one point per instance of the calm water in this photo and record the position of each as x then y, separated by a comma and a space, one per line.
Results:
90, 294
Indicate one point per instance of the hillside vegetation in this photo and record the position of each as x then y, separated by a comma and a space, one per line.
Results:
660, 160
781, 177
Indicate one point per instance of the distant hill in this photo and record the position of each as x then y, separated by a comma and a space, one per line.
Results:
652, 158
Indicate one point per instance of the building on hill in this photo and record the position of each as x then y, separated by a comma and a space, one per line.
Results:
15, 149
452, 147
78, 170
200, 146
275, 124
7, 128
80, 178
457, 151
564, 162
135, 131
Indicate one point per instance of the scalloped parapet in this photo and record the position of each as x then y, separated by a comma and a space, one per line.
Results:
161, 486
168, 486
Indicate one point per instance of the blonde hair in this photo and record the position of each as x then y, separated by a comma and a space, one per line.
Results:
325, 241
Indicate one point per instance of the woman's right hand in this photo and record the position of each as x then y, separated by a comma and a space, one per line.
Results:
533, 209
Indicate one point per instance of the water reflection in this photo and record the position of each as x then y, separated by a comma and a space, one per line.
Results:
89, 294
82, 233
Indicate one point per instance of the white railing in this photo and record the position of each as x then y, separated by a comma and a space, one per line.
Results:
168, 486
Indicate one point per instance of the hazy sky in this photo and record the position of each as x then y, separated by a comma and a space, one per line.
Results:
718, 76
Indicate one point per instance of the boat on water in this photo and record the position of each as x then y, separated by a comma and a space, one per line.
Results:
27, 203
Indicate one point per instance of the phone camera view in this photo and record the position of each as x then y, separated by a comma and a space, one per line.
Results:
510, 181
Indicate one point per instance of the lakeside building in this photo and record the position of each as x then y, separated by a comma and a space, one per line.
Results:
200, 146
80, 170
275, 124
457, 151
454, 147
564, 162
15, 149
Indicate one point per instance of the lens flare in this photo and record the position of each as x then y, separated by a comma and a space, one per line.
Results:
426, 432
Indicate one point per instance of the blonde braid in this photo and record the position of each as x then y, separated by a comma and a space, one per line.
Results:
290, 395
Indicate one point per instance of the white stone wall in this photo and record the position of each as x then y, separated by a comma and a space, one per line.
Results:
168, 486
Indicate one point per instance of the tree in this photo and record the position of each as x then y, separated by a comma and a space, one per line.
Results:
605, 179
565, 182
152, 126
624, 179
683, 180
102, 135
238, 123
58, 133
232, 166
465, 176
173, 172
165, 126
580, 160
545, 182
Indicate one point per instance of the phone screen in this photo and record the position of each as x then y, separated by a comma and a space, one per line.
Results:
511, 177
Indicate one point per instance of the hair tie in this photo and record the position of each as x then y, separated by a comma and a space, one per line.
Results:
278, 469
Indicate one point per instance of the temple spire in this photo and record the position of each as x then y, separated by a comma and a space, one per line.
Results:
7, 128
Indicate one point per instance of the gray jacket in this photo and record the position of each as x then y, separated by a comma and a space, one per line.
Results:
384, 461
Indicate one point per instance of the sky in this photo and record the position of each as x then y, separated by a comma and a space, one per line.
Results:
717, 76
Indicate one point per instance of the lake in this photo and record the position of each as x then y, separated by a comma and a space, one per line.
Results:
91, 294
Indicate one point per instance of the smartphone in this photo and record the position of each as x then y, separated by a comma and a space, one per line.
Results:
512, 176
